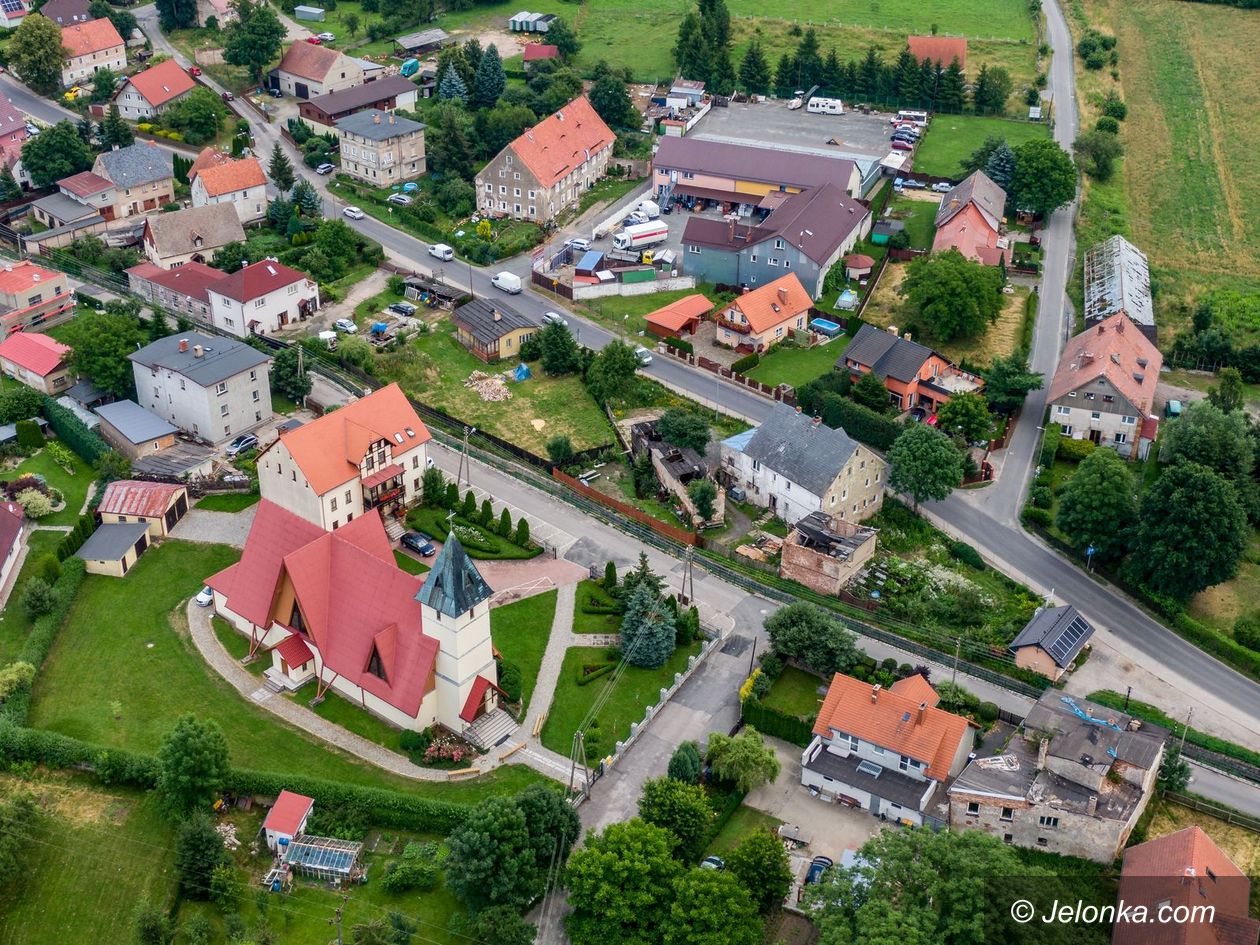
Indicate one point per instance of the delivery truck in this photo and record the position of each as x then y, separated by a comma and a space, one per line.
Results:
649, 208
641, 234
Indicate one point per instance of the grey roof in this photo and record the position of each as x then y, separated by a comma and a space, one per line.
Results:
1118, 279
112, 541
888, 227
137, 164
1080, 729
454, 585
216, 224
175, 461
85, 392
376, 125
477, 317
433, 37
979, 189
1060, 631
886, 354
133, 421
794, 446
61, 207
8, 432
221, 358
741, 162
361, 95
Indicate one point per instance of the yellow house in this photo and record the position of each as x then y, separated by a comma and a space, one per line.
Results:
491, 330
113, 549
159, 505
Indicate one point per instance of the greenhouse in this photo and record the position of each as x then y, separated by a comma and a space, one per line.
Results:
325, 858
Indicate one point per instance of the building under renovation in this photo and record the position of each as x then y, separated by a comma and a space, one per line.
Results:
1118, 279
826, 553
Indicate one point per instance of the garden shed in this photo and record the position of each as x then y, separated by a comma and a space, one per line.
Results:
323, 858
114, 548
309, 13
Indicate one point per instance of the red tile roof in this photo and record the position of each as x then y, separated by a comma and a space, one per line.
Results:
286, 814
20, 276
940, 49
536, 51
162, 83
891, 720
1111, 349
561, 142
37, 353
1150, 428
308, 61
969, 232
294, 651
83, 39
764, 307
191, 279
231, 176
133, 497
257, 279
11, 520
84, 184
676, 315
384, 474
209, 157
330, 449
475, 696
917, 688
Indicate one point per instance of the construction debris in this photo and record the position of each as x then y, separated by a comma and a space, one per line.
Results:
489, 387
228, 833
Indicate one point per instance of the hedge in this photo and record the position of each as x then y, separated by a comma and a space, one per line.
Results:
966, 554
778, 724
680, 344
486, 547
1050, 444
73, 432
1075, 450
861, 423
584, 678
40, 640
746, 364
730, 804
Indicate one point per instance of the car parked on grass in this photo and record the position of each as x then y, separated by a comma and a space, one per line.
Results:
345, 325
420, 543
246, 441
403, 308
713, 863
817, 867
401, 200
354, 213
942, 187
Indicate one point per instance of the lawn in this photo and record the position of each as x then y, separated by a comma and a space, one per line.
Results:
434, 366
235, 78
283, 405
952, 138
73, 487
228, 502
146, 662
798, 366
625, 314
919, 216
796, 693
14, 625
634, 691
744, 822
520, 632
408, 563
608, 191
1221, 605
588, 592
1240, 845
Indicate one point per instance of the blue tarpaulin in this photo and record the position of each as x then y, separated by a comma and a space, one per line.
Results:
522, 372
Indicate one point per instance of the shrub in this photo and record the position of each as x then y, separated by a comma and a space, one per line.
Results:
505, 523
1108, 124
34, 503
1114, 107
966, 554
29, 436
1050, 445
584, 677
407, 874
1075, 450
746, 364
1035, 516
988, 712
1042, 497
37, 598
48, 568
610, 576
861, 423
510, 682
522, 532
680, 344
60, 455
1247, 631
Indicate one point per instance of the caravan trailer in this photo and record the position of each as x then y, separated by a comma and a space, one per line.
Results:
825, 106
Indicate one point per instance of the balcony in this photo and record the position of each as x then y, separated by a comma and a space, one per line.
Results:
740, 328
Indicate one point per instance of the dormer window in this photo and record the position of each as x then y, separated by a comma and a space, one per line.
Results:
375, 666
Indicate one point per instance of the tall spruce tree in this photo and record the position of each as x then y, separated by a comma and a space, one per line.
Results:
907, 77
833, 72
929, 80
452, 87
754, 71
722, 75
715, 23
280, 169
809, 62
1001, 165
114, 131
490, 80
951, 94
691, 52
785, 76
869, 73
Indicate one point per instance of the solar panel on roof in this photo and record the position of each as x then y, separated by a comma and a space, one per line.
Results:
1061, 649
12, 6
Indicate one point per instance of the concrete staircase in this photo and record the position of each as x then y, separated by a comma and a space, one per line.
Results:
491, 729
394, 529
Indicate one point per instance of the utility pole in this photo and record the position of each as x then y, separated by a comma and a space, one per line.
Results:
752, 657
465, 468
336, 919
957, 653
688, 589
577, 756
1127, 694
1185, 728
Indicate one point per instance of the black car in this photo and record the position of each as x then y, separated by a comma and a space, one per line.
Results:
420, 543
403, 308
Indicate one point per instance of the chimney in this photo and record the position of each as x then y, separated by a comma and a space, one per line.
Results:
918, 719
376, 119
1120, 326
198, 351
892, 329
391, 118
1101, 328
817, 421
906, 336
875, 692
1043, 749
783, 294
1091, 807
183, 346
498, 316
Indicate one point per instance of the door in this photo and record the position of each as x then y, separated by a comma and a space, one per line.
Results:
1095, 436
301, 90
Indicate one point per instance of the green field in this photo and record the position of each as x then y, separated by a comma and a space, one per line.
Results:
73, 486
952, 138
795, 692
14, 625
126, 641
520, 632
625, 313
798, 366
743, 822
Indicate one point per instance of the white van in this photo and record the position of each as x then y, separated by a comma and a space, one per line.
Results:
441, 251
507, 282
825, 106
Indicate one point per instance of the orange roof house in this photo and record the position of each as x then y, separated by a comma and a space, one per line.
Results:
562, 141
94, 36
222, 179
159, 504
942, 49
678, 317
889, 751
969, 220
149, 92
32, 297
764, 316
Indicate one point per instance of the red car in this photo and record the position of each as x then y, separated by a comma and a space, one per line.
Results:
314, 40
899, 145
194, 70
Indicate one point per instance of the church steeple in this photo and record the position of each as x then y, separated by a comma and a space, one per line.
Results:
454, 585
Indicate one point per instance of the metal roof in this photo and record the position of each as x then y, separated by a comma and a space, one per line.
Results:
478, 319
793, 445
220, 358
112, 541
377, 125
1118, 279
454, 585
133, 421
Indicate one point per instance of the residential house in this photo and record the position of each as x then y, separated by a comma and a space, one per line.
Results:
262, 298
1074, 780
1051, 641
142, 174
888, 751
240, 182
90, 191
824, 552
334, 607
806, 233
38, 361
158, 505
149, 93
492, 330
381, 148
287, 818
1118, 279
744, 178
547, 169
676, 468
938, 50
385, 94
32, 297
66, 12
1104, 387
113, 550
1204, 897
681, 317
212, 388
12, 13
219, 10
762, 317
914, 375
793, 464
91, 46
425, 41
182, 291
369, 454
307, 71
969, 220
13, 135
539, 52
12, 533
192, 235
132, 430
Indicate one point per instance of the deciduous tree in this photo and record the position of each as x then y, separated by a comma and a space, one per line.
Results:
192, 763
1205, 434
744, 760
711, 908
492, 861
621, 885
965, 415
287, 379
36, 54
951, 296
683, 810
177, 14
253, 39
197, 115
101, 343
560, 34
1098, 504
501, 925
810, 634
924, 464
58, 152
611, 99
703, 495
1098, 151
1007, 382
19, 829
684, 428
761, 865
1044, 179
1227, 395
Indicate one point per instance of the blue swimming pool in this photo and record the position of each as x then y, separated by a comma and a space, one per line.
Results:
825, 326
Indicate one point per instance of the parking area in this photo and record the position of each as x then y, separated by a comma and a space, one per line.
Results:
773, 125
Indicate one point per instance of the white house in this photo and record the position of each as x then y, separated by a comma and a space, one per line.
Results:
12, 527
261, 298
287, 818
218, 178
369, 454
149, 93
308, 71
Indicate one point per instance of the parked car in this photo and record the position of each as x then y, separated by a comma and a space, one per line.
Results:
554, 318
314, 40
713, 863
901, 136
643, 354
507, 282
441, 251
73, 93
345, 325
325, 169
420, 543
246, 441
32, 129
327, 37
638, 216
205, 597
228, 96
902, 146
354, 213
403, 308
275, 93
401, 200
144, 54
942, 187
817, 867
1172, 409
578, 244
194, 70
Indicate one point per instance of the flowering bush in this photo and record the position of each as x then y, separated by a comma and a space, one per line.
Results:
34, 503
446, 747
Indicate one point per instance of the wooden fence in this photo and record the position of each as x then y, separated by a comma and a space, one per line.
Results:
1221, 813
661, 528
783, 393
